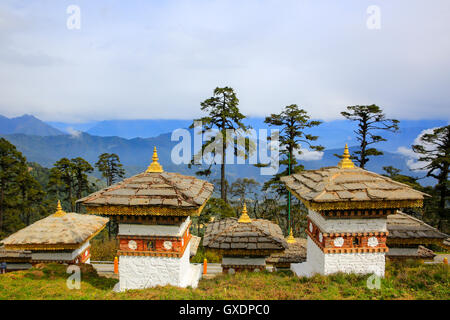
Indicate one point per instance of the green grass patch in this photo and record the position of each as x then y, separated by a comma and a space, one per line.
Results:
407, 280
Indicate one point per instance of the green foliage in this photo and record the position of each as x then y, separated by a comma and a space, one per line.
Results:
68, 178
210, 256
110, 167
20, 194
370, 119
223, 114
395, 175
403, 281
292, 122
434, 151
242, 188
215, 208
103, 250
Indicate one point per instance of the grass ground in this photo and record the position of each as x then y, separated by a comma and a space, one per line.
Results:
402, 281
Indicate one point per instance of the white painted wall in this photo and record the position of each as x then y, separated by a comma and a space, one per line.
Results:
139, 272
314, 257
66, 256
153, 230
319, 262
348, 225
360, 263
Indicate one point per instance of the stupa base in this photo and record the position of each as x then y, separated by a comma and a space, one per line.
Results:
192, 278
140, 272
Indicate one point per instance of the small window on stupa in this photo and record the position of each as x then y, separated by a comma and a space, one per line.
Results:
356, 241
151, 245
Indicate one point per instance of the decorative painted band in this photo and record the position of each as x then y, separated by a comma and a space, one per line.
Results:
356, 234
143, 210
357, 214
355, 250
177, 254
149, 220
244, 252
150, 254
346, 245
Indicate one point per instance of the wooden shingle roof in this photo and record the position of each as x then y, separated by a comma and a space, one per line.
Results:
404, 226
56, 232
295, 253
230, 234
350, 188
162, 189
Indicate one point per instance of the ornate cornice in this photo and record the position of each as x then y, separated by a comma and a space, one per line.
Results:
112, 210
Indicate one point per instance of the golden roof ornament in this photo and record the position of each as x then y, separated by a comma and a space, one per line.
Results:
59, 211
154, 166
290, 238
346, 163
244, 217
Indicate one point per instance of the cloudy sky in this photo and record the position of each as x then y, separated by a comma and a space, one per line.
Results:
159, 59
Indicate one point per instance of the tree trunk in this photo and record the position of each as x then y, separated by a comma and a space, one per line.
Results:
443, 195
223, 191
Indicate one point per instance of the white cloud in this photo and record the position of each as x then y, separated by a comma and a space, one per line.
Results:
308, 155
412, 161
154, 59
73, 133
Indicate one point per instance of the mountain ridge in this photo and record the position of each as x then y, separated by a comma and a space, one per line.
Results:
27, 124
135, 154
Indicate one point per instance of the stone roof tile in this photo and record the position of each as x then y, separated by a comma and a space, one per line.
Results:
333, 184
159, 189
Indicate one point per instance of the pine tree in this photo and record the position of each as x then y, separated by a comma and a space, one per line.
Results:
21, 196
110, 167
223, 114
81, 168
370, 118
434, 150
292, 122
62, 180
11, 165
69, 180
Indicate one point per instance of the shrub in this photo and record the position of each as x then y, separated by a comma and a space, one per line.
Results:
103, 250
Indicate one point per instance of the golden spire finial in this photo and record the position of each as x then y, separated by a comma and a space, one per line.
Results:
154, 166
346, 163
59, 211
290, 238
244, 217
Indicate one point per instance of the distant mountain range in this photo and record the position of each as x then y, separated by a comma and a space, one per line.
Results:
332, 134
44, 144
27, 124
136, 154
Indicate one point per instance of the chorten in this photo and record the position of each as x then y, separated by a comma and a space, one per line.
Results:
153, 212
61, 237
347, 214
244, 243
